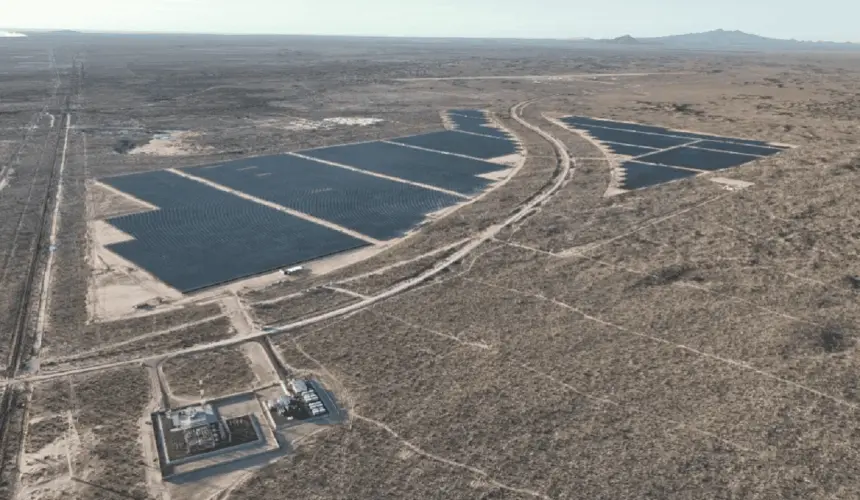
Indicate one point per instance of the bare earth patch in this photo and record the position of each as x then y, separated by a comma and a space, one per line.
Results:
173, 144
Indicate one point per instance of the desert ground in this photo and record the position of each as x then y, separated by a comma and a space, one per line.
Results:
550, 339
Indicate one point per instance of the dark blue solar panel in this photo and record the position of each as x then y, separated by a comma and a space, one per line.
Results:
167, 190
577, 121
477, 126
707, 137
206, 237
582, 121
465, 144
450, 172
738, 148
373, 206
638, 175
697, 158
624, 149
634, 138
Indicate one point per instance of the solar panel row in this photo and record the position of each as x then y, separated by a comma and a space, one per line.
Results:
633, 138
739, 148
639, 175
662, 155
628, 150
453, 173
451, 141
374, 206
699, 159
580, 121
477, 125
166, 190
203, 236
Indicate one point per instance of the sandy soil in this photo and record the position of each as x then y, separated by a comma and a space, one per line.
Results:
509, 159
731, 184
260, 364
327, 265
105, 202
45, 473
173, 144
117, 286
499, 174
446, 120
300, 124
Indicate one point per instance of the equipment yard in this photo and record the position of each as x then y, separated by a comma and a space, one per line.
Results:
258, 267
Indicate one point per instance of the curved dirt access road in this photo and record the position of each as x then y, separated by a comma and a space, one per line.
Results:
477, 240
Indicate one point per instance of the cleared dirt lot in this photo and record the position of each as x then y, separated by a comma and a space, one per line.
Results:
685, 341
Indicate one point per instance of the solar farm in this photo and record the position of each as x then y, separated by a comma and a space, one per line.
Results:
266, 267
226, 221
653, 155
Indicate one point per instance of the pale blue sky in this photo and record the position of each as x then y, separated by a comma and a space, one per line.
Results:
835, 20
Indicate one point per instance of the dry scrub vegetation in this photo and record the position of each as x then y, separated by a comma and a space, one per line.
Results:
217, 373
91, 423
380, 281
370, 464
146, 346
49, 441
97, 335
678, 342
580, 396
43, 432
20, 223
107, 408
71, 273
312, 302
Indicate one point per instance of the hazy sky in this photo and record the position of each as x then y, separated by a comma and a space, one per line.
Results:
803, 19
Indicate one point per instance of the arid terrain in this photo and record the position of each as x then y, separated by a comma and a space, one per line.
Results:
548, 340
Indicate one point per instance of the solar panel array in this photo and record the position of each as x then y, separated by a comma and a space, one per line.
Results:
659, 155
373, 206
451, 141
466, 120
202, 235
453, 173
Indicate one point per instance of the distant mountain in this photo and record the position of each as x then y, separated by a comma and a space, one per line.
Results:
737, 40
622, 40
721, 38
11, 34
61, 33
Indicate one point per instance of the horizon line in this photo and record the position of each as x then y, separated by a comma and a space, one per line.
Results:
430, 37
